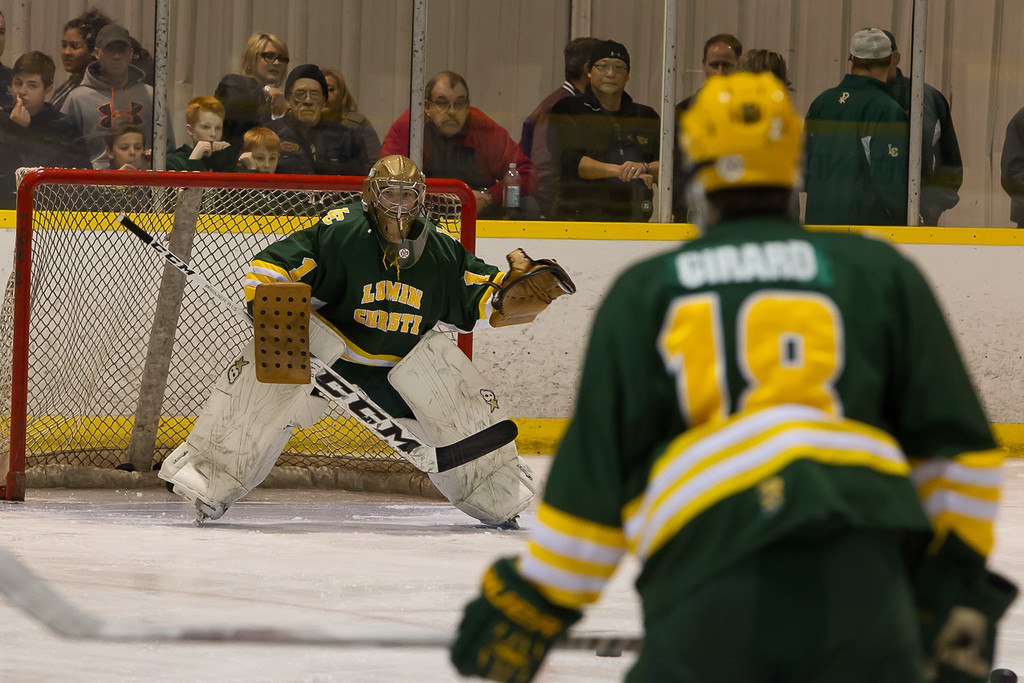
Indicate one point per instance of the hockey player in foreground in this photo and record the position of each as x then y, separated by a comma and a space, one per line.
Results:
381, 276
778, 424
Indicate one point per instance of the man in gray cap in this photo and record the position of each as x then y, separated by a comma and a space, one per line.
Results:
857, 143
112, 94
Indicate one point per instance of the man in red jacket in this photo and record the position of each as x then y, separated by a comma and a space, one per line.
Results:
463, 143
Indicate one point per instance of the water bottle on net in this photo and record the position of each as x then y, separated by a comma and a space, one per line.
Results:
512, 194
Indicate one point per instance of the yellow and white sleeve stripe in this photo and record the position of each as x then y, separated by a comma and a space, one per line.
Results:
259, 272
961, 494
711, 463
485, 306
569, 558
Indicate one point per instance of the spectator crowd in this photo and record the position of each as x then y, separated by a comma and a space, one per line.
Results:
587, 152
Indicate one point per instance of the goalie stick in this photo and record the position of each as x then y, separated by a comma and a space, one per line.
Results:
353, 399
33, 596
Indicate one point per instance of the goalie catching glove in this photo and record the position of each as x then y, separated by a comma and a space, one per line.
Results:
528, 288
507, 631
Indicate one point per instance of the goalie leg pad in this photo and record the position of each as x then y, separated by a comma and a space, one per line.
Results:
493, 488
451, 400
242, 430
324, 342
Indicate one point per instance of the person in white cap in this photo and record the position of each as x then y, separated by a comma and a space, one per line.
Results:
857, 143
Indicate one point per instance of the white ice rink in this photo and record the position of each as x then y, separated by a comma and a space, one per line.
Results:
303, 558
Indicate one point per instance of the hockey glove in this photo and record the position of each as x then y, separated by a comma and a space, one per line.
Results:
528, 288
508, 629
959, 603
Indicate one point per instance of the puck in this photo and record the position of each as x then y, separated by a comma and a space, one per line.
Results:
1002, 676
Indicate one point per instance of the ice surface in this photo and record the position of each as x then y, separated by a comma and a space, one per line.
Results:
303, 558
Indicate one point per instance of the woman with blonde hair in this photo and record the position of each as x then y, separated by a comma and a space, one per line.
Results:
340, 107
254, 94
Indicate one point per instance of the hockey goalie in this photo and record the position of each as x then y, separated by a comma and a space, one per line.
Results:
380, 275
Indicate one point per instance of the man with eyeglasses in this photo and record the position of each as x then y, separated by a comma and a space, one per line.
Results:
310, 145
463, 143
605, 145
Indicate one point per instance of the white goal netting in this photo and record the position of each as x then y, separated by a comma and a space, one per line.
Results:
117, 369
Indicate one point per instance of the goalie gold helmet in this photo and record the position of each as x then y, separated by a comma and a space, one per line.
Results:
394, 195
742, 132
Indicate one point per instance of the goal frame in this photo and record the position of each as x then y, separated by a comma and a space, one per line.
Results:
12, 487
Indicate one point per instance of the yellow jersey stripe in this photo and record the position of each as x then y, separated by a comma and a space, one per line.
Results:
701, 466
584, 569
982, 493
578, 527
978, 469
558, 585
977, 533
746, 471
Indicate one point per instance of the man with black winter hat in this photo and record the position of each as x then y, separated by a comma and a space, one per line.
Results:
604, 145
310, 145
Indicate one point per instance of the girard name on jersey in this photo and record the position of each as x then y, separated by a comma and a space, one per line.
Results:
398, 292
793, 260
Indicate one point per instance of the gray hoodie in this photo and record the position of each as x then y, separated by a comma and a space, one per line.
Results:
99, 109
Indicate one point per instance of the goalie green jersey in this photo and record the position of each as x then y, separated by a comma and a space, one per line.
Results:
379, 310
749, 383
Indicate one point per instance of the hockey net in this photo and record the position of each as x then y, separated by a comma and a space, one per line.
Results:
108, 358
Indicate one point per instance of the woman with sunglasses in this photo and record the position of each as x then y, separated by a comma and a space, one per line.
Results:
254, 94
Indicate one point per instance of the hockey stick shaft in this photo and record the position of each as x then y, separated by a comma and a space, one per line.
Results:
34, 596
351, 397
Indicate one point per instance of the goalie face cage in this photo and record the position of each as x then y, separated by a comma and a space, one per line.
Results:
109, 358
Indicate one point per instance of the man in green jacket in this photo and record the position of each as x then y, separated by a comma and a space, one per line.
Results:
857, 143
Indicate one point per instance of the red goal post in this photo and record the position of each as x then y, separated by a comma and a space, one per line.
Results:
108, 356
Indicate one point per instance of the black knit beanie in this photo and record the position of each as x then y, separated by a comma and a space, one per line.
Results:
609, 48
305, 71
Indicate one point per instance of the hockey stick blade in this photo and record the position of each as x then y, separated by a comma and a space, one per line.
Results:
34, 597
473, 446
350, 396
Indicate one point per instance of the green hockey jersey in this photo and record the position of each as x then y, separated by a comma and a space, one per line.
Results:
379, 310
748, 383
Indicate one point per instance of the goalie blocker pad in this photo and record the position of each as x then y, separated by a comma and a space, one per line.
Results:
280, 320
451, 400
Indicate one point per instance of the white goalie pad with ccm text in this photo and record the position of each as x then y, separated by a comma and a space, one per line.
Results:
243, 428
451, 400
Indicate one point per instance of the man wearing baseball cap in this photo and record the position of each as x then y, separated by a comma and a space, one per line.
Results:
113, 94
857, 143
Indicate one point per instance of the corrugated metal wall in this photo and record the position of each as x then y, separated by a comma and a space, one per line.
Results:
510, 53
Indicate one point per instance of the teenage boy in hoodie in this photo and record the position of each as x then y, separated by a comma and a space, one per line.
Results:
112, 94
32, 132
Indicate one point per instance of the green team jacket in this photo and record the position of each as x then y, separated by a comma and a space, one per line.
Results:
752, 381
856, 156
225, 160
379, 310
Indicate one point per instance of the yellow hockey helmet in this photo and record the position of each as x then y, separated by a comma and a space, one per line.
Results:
394, 196
742, 131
